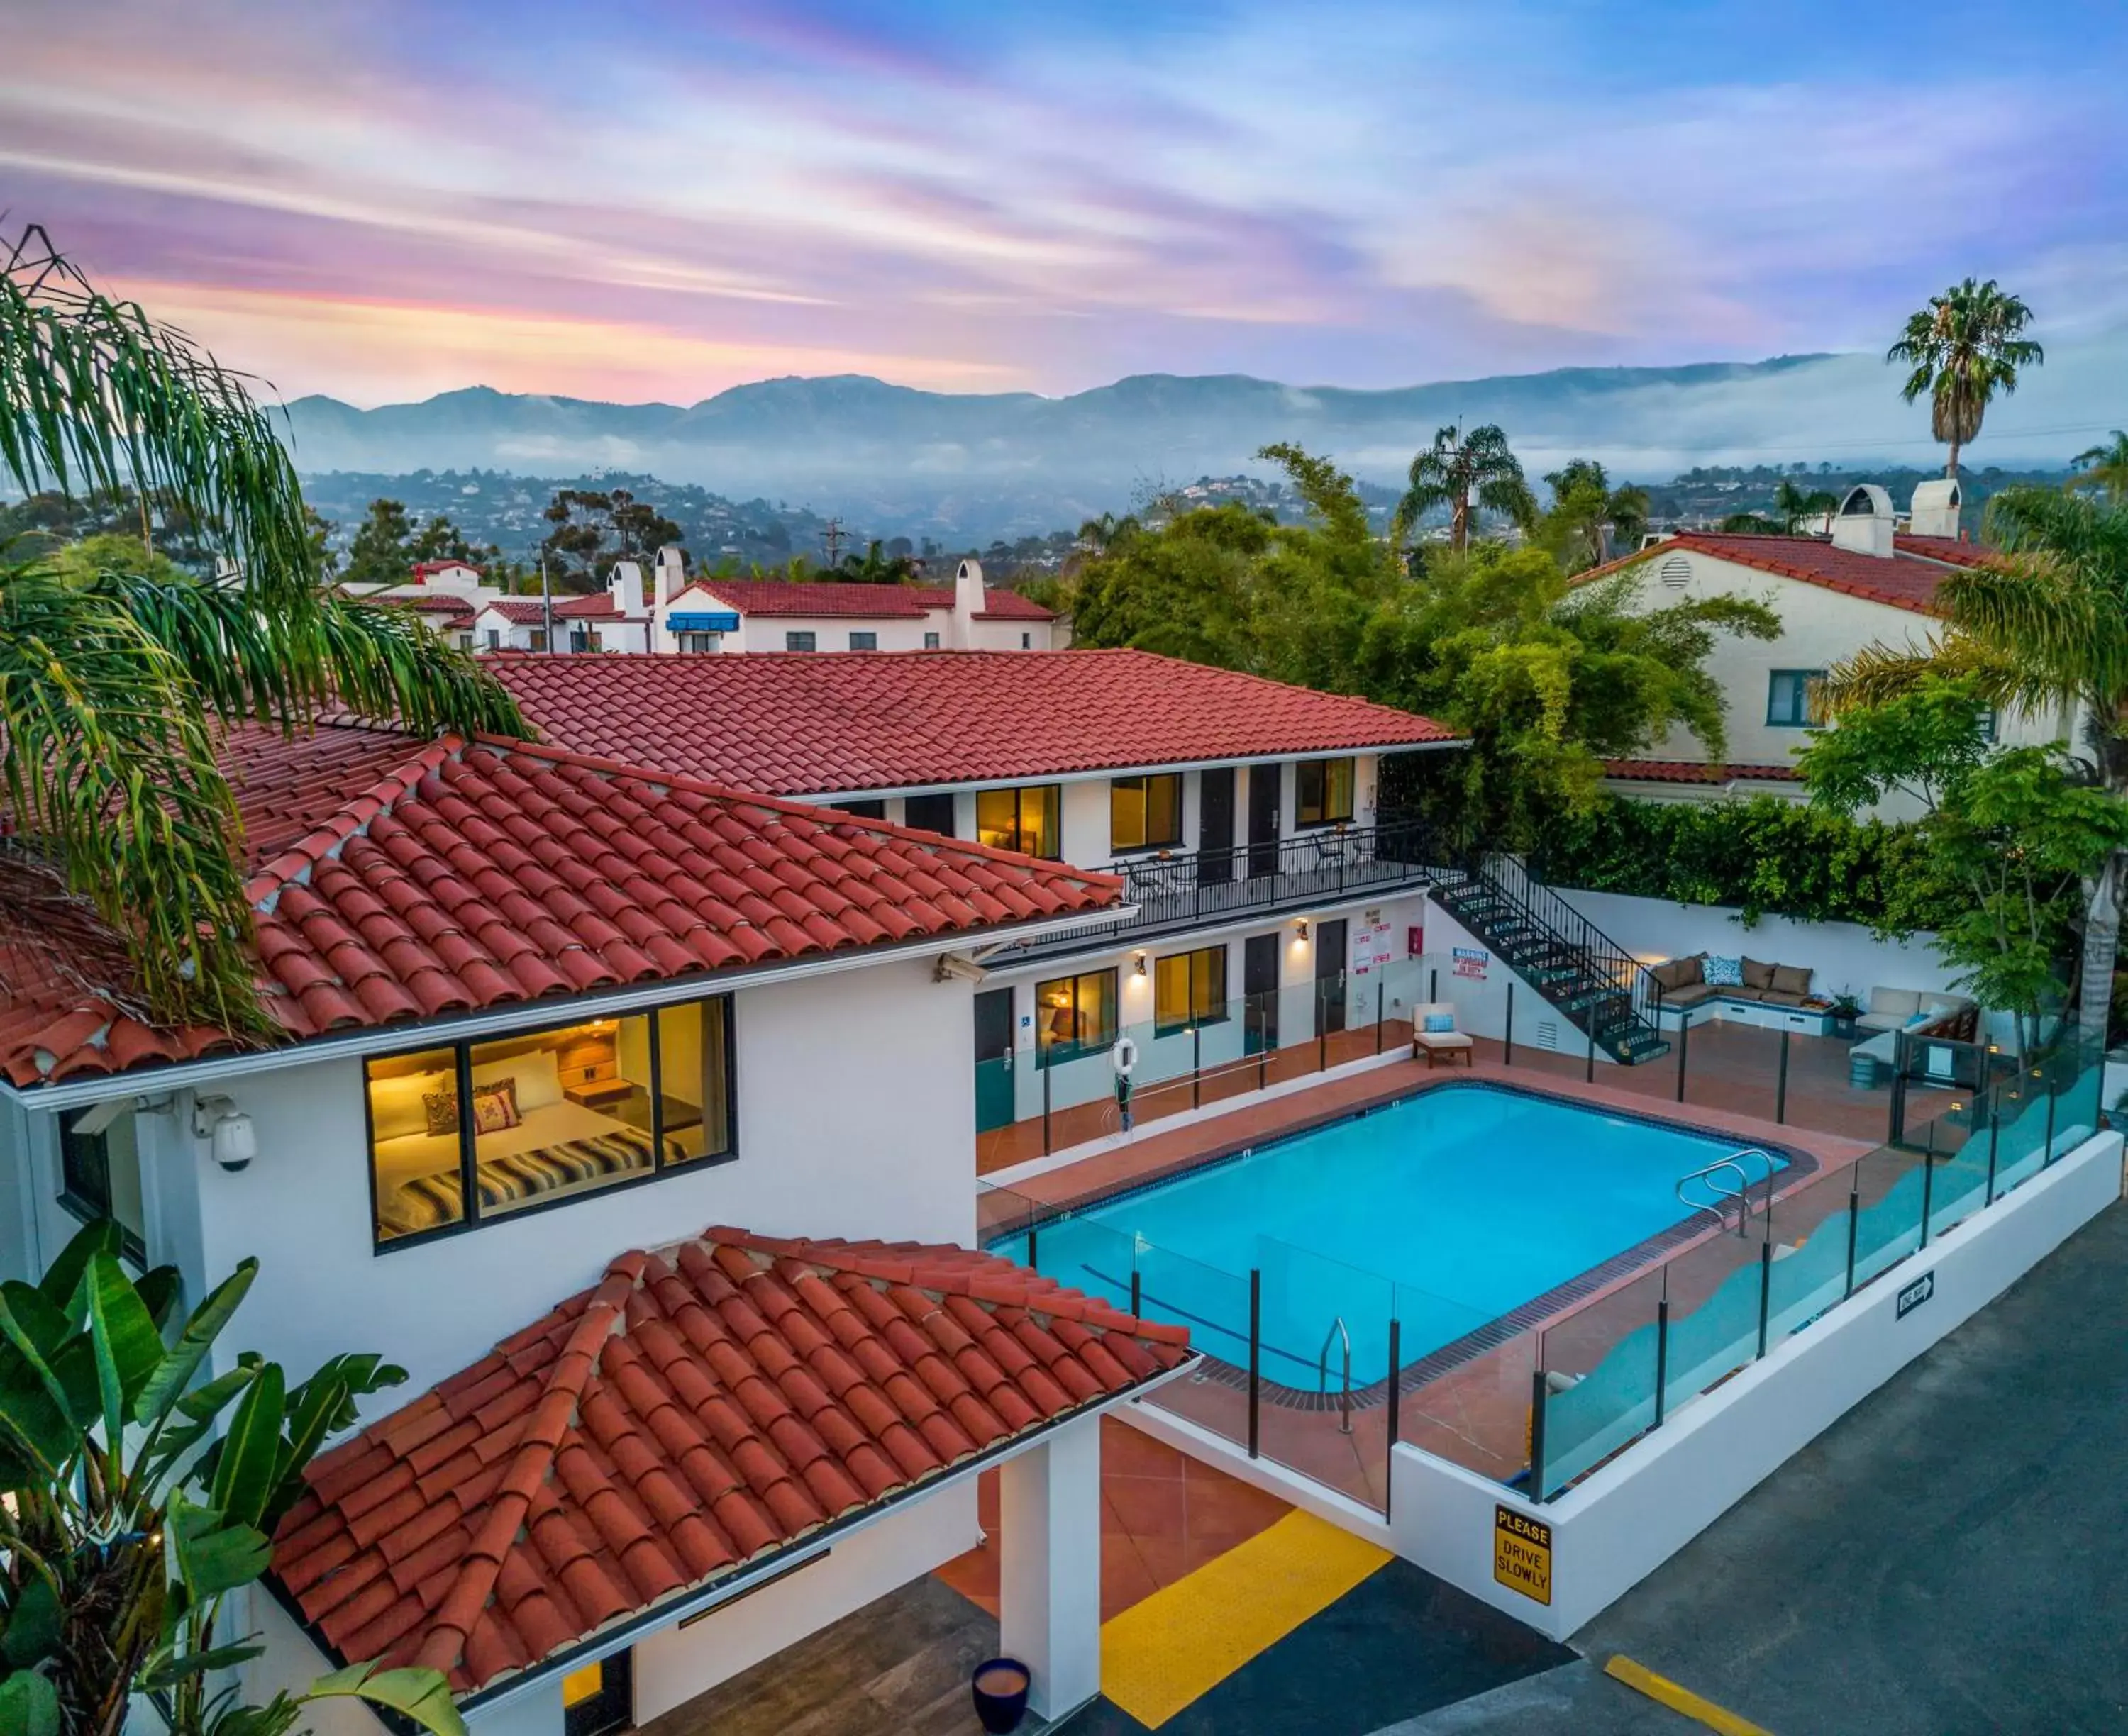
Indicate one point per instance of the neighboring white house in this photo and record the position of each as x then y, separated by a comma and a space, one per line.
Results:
755, 614
1241, 814
1869, 581
545, 1021
449, 594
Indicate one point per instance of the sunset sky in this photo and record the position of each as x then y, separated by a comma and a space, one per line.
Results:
641, 200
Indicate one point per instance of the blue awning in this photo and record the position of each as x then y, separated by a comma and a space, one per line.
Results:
703, 621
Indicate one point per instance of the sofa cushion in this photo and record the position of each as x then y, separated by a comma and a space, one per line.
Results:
1757, 972
1722, 972
1742, 994
1791, 980
1691, 995
1879, 1021
1939, 1004
1782, 997
1677, 973
1901, 1004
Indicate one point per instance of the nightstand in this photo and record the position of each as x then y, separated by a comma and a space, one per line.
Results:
595, 1093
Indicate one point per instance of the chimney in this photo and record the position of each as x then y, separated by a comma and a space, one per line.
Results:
967, 601
672, 571
1864, 522
626, 586
1935, 508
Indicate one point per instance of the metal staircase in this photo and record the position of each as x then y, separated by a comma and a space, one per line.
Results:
1600, 988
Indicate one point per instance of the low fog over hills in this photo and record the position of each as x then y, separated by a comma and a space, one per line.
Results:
902, 460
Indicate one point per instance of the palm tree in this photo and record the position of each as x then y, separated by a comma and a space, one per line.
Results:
1964, 347
2043, 629
876, 567
1459, 470
1586, 512
2103, 469
1793, 512
112, 689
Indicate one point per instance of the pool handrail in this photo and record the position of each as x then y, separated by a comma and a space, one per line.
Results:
1742, 1192
1323, 1372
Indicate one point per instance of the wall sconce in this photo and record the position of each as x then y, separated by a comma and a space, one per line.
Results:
235, 1140
1300, 929
1138, 958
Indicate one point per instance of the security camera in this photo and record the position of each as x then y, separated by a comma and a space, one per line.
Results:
952, 965
235, 1141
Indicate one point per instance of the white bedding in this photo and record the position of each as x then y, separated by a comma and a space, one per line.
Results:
414, 1155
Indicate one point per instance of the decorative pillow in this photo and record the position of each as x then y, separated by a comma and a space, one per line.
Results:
495, 1107
1722, 972
1757, 972
1791, 979
443, 1109
1440, 1024
1918, 1020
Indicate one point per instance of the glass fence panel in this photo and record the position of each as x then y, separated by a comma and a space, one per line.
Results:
1887, 1225
1713, 1294
1215, 1305
1602, 1365
2023, 1108
1468, 1400
1325, 1362
1809, 1272
2082, 1071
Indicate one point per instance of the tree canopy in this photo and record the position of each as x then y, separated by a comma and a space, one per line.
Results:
1964, 347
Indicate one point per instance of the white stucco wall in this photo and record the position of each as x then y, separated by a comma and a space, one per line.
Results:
853, 1093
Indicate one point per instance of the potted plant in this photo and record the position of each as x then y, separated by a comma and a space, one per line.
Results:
1000, 1684
1846, 1010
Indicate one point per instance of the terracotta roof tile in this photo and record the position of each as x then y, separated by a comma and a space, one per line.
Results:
829, 599
495, 1574
1906, 579
800, 725
1690, 772
397, 879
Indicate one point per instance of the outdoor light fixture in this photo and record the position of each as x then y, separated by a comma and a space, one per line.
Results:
235, 1140
1301, 930
1138, 958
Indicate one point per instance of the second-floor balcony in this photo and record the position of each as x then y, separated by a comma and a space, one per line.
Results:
1177, 890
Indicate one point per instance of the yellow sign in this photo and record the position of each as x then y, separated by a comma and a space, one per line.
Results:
1521, 1553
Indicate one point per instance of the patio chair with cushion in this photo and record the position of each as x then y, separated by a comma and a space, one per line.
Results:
1433, 1034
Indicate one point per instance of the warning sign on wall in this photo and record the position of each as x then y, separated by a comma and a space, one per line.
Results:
1469, 961
1521, 1553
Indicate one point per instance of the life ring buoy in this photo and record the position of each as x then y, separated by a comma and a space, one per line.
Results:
1123, 1057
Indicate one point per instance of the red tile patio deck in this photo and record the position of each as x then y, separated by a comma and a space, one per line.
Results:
1163, 1515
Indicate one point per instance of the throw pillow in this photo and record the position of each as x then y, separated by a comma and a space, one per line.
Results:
1791, 979
1757, 972
443, 1110
1723, 973
495, 1107
1440, 1024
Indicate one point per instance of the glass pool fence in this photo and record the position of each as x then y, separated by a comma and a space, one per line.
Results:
1323, 1366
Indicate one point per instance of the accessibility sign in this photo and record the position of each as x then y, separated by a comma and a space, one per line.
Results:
1521, 1553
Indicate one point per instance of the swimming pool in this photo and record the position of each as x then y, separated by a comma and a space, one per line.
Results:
1448, 1209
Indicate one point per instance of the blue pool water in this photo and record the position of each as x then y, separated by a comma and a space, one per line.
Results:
1448, 1209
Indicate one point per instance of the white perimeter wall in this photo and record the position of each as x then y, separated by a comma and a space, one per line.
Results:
1614, 1528
853, 1092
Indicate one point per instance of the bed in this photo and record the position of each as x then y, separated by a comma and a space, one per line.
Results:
558, 1147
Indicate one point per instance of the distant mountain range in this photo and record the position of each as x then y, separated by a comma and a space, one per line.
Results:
916, 462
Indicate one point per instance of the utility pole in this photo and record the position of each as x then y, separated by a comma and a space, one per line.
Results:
547, 598
832, 539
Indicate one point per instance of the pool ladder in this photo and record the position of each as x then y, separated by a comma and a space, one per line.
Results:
1323, 1372
1742, 1192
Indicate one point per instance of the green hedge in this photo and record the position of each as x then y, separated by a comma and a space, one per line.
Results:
1764, 855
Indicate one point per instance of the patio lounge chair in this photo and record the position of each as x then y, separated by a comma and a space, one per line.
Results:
1436, 1043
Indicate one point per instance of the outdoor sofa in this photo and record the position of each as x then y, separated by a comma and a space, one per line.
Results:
1684, 983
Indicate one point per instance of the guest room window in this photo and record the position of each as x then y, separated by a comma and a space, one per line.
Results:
929, 813
1322, 792
1787, 697
1145, 813
462, 1135
1074, 1016
801, 642
930, 642
1025, 820
1189, 988
864, 641
100, 1178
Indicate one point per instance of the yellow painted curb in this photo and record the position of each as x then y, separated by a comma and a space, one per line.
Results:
1173, 1647
1664, 1692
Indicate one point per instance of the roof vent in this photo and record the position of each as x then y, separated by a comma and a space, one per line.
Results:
1935, 508
1864, 523
1675, 572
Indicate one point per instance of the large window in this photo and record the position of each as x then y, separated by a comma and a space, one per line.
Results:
100, 1177
801, 642
1189, 988
1787, 697
1322, 792
864, 641
1020, 819
463, 1134
1074, 1016
1145, 813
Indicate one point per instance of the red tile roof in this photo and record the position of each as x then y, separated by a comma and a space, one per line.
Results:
599, 605
802, 725
441, 602
1691, 772
882, 602
702, 1408
437, 878
520, 611
1906, 579
424, 569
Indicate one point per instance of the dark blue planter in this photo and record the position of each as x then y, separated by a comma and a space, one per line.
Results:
1000, 1686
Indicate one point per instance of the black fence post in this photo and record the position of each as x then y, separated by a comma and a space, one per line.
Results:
1588, 1066
1662, 1347
1507, 1052
1256, 1335
1765, 1289
1196, 1066
1045, 1072
1381, 992
1138, 1295
1928, 1183
1895, 1124
1684, 1043
1994, 1143
1396, 1404
1854, 1226
1433, 982
1538, 1391
1033, 1254
2048, 1156
1781, 1085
